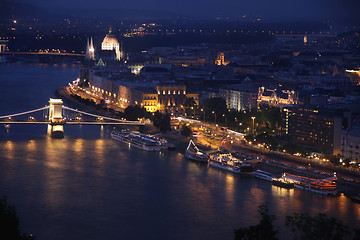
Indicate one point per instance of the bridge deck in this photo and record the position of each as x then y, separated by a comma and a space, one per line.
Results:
73, 123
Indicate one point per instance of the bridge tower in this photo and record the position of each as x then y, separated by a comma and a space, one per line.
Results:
3, 46
56, 122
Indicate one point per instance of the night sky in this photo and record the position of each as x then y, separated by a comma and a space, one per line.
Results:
268, 9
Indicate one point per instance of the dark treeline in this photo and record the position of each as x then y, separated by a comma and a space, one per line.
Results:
9, 223
302, 226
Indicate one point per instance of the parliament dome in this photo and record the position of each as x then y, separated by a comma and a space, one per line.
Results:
110, 42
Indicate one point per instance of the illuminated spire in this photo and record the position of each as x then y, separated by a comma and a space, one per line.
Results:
90, 50
91, 43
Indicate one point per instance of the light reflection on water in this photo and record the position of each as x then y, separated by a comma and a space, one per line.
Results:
8, 150
79, 154
65, 178
87, 186
229, 191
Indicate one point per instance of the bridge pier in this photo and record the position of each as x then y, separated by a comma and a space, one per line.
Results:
3, 46
56, 125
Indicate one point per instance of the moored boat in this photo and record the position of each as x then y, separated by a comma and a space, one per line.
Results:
193, 153
281, 182
134, 139
229, 163
326, 186
162, 141
263, 175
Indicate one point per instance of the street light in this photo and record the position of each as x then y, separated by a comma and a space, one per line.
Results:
253, 118
215, 115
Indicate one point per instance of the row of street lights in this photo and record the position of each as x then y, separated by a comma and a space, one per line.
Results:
213, 112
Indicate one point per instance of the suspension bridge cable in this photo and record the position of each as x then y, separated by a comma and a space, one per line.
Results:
23, 113
93, 115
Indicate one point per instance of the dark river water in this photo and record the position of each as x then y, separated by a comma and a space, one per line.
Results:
87, 186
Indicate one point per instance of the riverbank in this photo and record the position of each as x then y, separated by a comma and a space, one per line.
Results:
275, 167
40, 175
180, 142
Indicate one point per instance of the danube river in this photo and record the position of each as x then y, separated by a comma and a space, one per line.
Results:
87, 186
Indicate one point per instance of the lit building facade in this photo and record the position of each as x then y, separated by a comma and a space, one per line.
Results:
165, 98
4, 46
220, 60
172, 96
239, 99
150, 102
354, 75
277, 97
350, 144
313, 127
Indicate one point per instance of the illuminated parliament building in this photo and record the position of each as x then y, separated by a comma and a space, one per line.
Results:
110, 80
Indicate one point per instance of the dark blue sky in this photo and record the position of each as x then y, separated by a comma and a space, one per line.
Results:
269, 9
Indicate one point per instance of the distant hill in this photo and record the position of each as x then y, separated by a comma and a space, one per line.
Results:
9, 10
117, 14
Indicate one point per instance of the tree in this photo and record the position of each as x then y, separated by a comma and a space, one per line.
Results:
215, 108
102, 103
263, 231
303, 226
156, 119
161, 121
186, 131
164, 125
9, 222
319, 227
132, 113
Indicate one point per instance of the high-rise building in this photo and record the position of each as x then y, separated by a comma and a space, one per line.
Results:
350, 144
239, 98
314, 127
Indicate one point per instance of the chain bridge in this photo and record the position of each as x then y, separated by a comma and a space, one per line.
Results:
56, 115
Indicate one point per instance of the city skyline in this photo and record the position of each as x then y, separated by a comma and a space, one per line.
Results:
185, 118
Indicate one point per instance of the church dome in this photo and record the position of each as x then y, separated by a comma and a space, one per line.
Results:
110, 42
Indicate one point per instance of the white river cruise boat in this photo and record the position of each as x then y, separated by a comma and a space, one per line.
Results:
162, 141
229, 163
325, 186
263, 175
135, 139
193, 153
